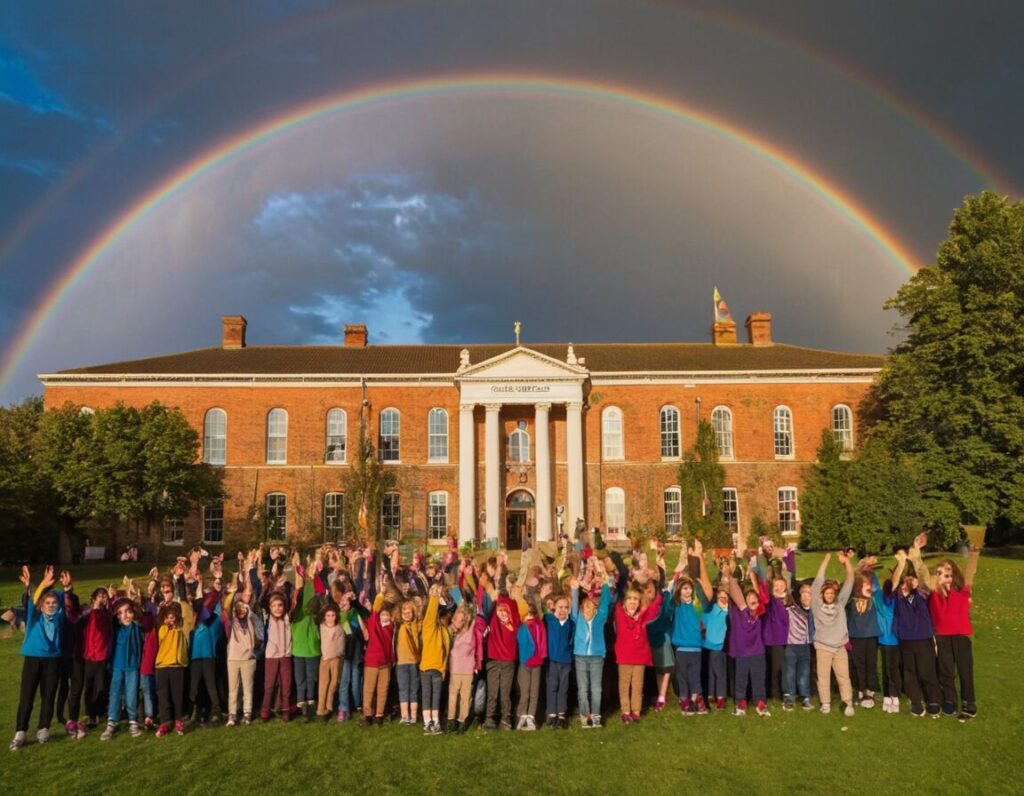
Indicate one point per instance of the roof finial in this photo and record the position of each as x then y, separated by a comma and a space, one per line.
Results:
518, 328
570, 356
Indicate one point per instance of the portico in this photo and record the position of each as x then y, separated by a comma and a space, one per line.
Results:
519, 378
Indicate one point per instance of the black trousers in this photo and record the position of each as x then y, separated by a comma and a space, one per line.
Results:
203, 671
170, 693
38, 674
95, 689
776, 655
865, 663
892, 673
69, 688
956, 657
919, 674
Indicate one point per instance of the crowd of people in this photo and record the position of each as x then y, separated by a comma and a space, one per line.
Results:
324, 639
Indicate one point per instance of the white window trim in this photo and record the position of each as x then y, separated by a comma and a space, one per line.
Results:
679, 433
621, 455
796, 494
401, 510
621, 492
323, 511
679, 499
832, 426
177, 542
380, 426
447, 437
519, 432
736, 492
268, 437
731, 456
205, 447
792, 435
430, 507
327, 435
266, 509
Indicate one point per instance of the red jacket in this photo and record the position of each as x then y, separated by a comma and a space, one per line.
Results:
632, 646
951, 615
96, 635
501, 641
150, 643
539, 633
380, 649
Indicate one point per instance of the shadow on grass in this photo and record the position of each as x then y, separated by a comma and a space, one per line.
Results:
1013, 553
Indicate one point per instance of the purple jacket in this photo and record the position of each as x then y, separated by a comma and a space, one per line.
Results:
744, 633
775, 623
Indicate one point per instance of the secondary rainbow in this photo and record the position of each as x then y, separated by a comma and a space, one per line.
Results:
246, 142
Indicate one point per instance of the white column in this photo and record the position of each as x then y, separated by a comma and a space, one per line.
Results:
492, 475
541, 420
574, 453
467, 475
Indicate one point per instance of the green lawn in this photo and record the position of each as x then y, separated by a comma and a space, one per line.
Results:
788, 753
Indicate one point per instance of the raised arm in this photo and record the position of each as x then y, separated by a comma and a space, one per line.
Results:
926, 581
702, 569
847, 589
972, 567
901, 564
734, 587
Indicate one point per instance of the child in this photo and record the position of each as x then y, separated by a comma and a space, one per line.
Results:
501, 664
775, 627
716, 626
892, 678
244, 630
437, 644
950, 607
150, 642
95, 625
380, 658
306, 637
862, 621
277, 670
333, 634
796, 676
913, 625
687, 606
633, 650
746, 645
203, 652
350, 700
174, 620
41, 649
589, 649
560, 630
532, 648
124, 669
466, 661
408, 649
828, 606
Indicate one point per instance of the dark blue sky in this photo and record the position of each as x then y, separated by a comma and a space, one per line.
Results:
446, 218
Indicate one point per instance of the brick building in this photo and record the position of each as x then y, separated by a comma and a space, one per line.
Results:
491, 441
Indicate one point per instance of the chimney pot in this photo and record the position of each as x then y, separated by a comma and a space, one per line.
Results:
723, 333
759, 328
356, 335
233, 331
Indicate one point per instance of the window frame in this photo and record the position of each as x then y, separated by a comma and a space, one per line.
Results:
784, 413
207, 519
393, 449
608, 493
272, 437
523, 448
727, 433
438, 437
734, 525
663, 432
331, 531
328, 453
437, 532
394, 498
208, 436
179, 526
792, 511
608, 451
677, 491
846, 435
272, 515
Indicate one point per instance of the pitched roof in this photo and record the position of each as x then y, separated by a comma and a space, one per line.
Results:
438, 359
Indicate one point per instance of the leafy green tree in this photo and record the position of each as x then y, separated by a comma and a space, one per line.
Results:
701, 471
367, 479
953, 391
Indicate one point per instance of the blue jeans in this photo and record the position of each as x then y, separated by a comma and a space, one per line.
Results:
796, 674
149, 695
589, 670
307, 672
558, 687
123, 685
750, 670
408, 682
351, 691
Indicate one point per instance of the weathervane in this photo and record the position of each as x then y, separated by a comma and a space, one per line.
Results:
518, 328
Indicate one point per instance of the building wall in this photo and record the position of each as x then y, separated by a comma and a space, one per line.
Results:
642, 474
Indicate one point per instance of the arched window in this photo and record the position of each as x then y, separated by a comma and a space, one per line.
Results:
518, 446
437, 515
388, 443
437, 435
86, 410
842, 426
673, 500
334, 514
611, 434
615, 511
721, 424
783, 432
277, 516
669, 433
215, 437
337, 436
277, 437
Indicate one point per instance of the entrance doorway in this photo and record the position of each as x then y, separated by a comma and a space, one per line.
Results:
519, 515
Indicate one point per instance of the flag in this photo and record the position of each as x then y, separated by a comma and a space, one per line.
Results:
722, 314
705, 503
363, 523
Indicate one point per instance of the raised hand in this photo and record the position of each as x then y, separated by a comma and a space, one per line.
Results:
841, 557
65, 579
25, 577
154, 574
920, 541
48, 576
698, 548
901, 555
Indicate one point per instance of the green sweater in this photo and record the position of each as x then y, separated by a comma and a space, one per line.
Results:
305, 631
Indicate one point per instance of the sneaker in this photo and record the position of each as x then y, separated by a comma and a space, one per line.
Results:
968, 713
134, 730
179, 727
917, 711
437, 729
428, 728
585, 723
933, 710
848, 709
894, 705
43, 735
948, 709
684, 707
505, 726
634, 717
741, 708
490, 725
342, 716
562, 723
806, 704
787, 705
702, 708
148, 723
265, 715
162, 730
659, 704
531, 724
231, 721
720, 703
595, 722
626, 718
108, 733
246, 719
521, 724
286, 716
70, 727
452, 727
18, 741
762, 709
868, 701
366, 721
886, 704
826, 708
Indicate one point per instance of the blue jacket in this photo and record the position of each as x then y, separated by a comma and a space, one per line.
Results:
716, 623
127, 643
686, 624
885, 606
912, 619
588, 638
560, 638
203, 642
42, 632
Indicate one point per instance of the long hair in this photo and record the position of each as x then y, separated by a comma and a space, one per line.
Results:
958, 576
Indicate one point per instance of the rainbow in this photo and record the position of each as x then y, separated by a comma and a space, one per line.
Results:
247, 142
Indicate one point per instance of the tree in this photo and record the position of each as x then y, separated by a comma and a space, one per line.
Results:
953, 391
367, 480
700, 474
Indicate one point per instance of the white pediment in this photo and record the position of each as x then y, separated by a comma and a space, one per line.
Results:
520, 364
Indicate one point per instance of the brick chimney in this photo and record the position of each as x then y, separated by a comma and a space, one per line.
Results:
355, 334
759, 328
234, 331
723, 333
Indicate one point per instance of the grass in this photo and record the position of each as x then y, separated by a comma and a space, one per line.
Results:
788, 753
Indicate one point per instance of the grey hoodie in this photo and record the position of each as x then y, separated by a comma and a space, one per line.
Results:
830, 631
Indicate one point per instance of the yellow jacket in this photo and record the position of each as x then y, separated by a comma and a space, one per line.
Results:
172, 650
437, 640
